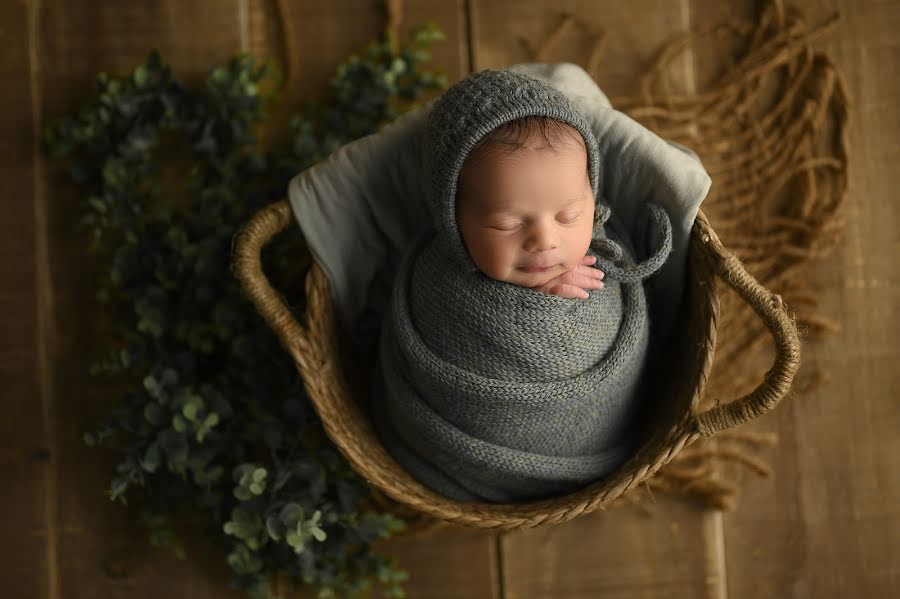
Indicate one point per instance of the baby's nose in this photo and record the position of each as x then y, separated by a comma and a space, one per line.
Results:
541, 240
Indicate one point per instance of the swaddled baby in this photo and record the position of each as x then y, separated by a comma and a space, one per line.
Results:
508, 371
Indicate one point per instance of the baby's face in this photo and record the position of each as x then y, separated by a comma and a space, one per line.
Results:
533, 207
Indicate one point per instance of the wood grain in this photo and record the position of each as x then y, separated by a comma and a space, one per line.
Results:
27, 464
827, 525
621, 553
507, 32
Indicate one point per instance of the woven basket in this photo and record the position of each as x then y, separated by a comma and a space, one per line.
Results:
335, 381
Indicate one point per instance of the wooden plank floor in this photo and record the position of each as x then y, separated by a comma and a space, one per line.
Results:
826, 525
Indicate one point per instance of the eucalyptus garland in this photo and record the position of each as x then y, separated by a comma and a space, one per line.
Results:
215, 424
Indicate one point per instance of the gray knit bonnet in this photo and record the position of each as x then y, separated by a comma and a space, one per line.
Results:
466, 113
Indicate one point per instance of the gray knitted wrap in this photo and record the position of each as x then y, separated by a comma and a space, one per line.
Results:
490, 391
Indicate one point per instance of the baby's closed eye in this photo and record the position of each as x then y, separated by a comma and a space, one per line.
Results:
571, 216
505, 226
566, 218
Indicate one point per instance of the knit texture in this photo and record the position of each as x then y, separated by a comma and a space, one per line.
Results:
490, 391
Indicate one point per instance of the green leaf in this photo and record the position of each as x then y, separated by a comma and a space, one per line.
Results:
295, 540
190, 411
179, 423
291, 513
151, 459
153, 414
141, 76
275, 528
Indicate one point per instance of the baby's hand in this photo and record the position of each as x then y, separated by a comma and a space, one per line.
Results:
574, 283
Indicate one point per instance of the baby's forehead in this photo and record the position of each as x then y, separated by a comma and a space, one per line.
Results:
501, 163
491, 204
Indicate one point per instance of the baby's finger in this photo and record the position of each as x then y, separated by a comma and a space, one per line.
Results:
588, 281
589, 272
570, 291
591, 261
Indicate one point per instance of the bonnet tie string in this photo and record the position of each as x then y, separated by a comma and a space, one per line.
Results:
611, 255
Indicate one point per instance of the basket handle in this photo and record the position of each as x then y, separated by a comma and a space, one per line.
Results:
773, 311
247, 266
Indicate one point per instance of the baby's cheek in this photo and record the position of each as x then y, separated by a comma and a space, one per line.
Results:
573, 261
492, 259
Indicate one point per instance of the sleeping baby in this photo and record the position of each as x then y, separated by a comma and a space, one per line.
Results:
510, 368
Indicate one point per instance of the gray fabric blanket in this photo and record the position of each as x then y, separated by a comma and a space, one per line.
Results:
488, 391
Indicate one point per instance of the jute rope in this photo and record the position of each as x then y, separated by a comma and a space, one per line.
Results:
760, 129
